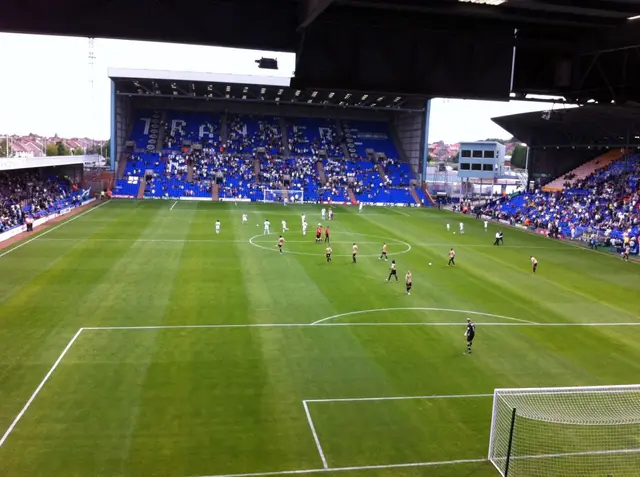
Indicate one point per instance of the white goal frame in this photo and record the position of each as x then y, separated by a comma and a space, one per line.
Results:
596, 409
293, 196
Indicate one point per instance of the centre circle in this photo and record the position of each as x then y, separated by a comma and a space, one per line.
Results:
407, 247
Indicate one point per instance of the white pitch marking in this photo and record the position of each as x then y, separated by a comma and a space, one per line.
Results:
349, 469
315, 435
376, 310
272, 249
39, 388
255, 243
48, 231
403, 398
397, 211
328, 325
174, 204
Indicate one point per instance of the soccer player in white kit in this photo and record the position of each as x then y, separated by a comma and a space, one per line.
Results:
267, 227
360, 207
304, 218
284, 226
244, 219
461, 228
486, 224
217, 226
448, 227
304, 228
323, 213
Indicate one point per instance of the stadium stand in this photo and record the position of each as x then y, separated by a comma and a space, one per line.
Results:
238, 156
605, 203
369, 140
25, 193
583, 171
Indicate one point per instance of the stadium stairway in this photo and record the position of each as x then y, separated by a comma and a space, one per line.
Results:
141, 188
122, 164
285, 193
427, 194
414, 194
224, 129
352, 196
256, 169
340, 129
215, 192
321, 176
584, 170
161, 131
285, 137
383, 175
189, 171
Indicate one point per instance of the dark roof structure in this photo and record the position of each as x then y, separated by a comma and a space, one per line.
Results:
579, 49
250, 89
586, 126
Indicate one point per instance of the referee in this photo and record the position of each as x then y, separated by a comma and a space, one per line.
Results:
470, 333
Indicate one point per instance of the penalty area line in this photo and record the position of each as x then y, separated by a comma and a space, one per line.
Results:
39, 388
330, 325
397, 211
174, 204
315, 435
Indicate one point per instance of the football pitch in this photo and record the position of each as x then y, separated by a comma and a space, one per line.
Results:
134, 341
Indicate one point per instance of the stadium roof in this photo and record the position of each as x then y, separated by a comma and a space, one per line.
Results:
586, 126
248, 88
580, 49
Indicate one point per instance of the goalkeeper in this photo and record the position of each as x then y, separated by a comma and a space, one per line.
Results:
470, 333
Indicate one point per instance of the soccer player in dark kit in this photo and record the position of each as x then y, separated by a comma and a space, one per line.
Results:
470, 333
393, 272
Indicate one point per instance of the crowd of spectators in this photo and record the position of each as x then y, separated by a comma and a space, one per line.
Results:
303, 143
26, 193
246, 134
606, 203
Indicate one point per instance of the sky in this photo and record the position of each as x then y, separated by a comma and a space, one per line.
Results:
46, 85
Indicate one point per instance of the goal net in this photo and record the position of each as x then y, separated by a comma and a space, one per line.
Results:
576, 431
283, 196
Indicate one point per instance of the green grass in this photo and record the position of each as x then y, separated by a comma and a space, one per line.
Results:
205, 401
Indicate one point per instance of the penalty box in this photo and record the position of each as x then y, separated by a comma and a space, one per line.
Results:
113, 391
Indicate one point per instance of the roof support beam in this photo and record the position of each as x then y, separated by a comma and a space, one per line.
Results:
312, 9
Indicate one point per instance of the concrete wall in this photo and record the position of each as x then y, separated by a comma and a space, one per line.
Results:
124, 116
409, 129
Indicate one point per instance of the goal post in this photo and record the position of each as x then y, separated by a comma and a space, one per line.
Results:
286, 196
570, 431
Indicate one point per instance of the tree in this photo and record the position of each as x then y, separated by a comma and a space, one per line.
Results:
3, 148
52, 149
63, 150
519, 156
